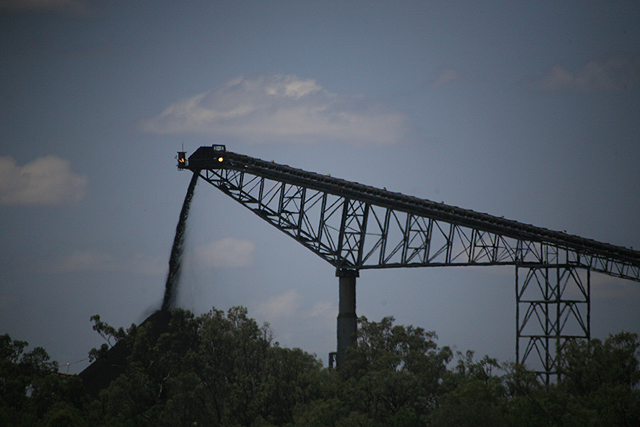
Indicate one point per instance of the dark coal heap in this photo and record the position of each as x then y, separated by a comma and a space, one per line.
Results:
104, 370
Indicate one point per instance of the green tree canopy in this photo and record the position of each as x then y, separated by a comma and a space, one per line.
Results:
223, 369
215, 369
32, 390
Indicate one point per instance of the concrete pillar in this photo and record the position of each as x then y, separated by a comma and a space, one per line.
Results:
347, 319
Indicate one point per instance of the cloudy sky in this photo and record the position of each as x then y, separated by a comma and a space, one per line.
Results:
527, 110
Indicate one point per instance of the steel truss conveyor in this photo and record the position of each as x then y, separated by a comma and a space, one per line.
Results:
354, 227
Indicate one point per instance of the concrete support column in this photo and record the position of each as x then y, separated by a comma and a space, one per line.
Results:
347, 319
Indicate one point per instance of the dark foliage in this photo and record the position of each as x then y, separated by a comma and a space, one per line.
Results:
223, 369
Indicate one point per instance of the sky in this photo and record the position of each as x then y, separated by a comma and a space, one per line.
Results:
527, 110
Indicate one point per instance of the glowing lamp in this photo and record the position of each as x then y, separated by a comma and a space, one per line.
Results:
182, 159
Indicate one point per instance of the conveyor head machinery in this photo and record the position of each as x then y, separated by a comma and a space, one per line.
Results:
213, 157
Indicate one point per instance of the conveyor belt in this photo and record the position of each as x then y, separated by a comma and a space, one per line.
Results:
203, 158
428, 208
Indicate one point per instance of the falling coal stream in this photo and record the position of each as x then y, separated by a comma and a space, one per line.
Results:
175, 261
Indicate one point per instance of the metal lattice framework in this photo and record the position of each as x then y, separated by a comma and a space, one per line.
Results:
354, 226
552, 307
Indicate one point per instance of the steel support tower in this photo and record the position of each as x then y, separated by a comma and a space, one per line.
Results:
355, 227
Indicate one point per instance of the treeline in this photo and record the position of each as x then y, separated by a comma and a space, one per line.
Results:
223, 369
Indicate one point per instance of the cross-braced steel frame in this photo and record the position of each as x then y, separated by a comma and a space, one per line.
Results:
354, 227
552, 307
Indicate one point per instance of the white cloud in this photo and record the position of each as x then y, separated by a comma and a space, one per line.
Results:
297, 321
93, 260
281, 109
611, 74
45, 181
284, 305
227, 252
290, 304
322, 309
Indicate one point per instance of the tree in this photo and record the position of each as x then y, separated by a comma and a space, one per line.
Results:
473, 395
222, 369
31, 388
393, 374
600, 380
216, 369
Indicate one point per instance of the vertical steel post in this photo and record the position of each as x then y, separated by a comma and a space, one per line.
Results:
518, 360
347, 319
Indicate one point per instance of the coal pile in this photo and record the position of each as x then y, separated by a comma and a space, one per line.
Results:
104, 370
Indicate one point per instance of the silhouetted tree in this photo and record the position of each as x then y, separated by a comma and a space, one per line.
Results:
32, 390
223, 369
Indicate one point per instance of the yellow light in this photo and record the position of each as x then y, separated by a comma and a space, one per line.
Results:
220, 159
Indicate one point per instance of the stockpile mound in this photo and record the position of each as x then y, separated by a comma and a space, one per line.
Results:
104, 370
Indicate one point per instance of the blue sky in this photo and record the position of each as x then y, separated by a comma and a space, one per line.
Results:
527, 110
